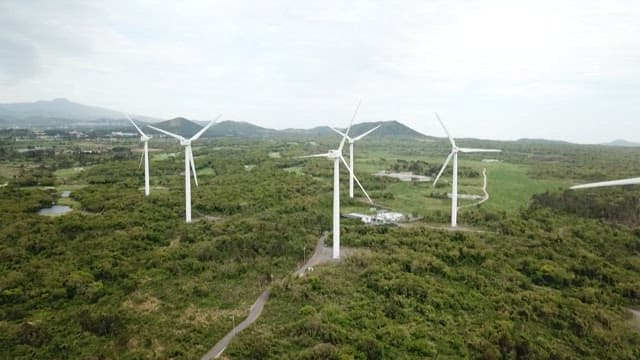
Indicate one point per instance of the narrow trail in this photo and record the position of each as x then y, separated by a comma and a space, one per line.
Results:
321, 254
636, 318
484, 190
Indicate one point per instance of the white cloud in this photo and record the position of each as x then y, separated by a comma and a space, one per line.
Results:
286, 63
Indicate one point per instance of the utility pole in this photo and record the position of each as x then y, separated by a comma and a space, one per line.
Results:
233, 319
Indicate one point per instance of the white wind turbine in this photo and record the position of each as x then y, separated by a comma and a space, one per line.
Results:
336, 156
188, 160
632, 181
145, 156
454, 153
351, 158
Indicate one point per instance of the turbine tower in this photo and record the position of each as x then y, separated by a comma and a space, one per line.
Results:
351, 158
336, 156
145, 155
632, 181
454, 153
188, 161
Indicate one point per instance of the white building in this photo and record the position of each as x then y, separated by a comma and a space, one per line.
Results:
380, 218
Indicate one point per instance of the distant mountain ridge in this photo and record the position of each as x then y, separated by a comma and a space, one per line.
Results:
59, 113
229, 128
622, 143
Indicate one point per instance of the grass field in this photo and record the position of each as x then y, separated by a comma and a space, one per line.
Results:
509, 185
66, 174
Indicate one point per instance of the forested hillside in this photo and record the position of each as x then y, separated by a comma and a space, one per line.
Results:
537, 272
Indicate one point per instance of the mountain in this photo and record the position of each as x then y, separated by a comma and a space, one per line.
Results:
623, 143
387, 129
391, 128
542, 141
313, 132
239, 129
60, 113
179, 125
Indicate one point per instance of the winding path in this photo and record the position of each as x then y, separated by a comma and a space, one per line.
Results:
254, 313
484, 190
320, 255
636, 318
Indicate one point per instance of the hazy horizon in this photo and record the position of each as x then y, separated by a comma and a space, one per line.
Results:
496, 70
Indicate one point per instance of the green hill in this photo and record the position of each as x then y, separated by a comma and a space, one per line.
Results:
238, 129
179, 125
391, 128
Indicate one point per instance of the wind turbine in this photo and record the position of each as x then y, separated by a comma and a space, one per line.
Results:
632, 181
145, 139
454, 153
336, 156
351, 158
188, 160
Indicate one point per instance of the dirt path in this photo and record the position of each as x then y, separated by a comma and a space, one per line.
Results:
484, 190
636, 318
321, 254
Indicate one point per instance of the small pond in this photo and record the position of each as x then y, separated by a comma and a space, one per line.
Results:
55, 210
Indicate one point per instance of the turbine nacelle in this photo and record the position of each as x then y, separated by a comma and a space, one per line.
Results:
145, 138
185, 142
334, 154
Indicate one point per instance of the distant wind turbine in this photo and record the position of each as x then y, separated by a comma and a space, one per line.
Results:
351, 158
454, 153
632, 181
188, 160
336, 156
145, 156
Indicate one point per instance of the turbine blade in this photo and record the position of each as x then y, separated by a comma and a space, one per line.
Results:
443, 167
453, 143
356, 179
199, 133
134, 124
141, 158
193, 166
366, 133
167, 133
471, 150
313, 156
338, 131
346, 133
632, 181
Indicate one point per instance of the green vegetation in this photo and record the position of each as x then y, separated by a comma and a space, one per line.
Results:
418, 293
544, 274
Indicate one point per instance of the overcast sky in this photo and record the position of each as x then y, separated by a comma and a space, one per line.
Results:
492, 69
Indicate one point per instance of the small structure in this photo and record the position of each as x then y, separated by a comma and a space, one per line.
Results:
122, 134
404, 176
380, 218
367, 219
387, 217
467, 196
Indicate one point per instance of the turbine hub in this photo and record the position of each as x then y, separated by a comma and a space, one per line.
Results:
334, 154
144, 138
185, 142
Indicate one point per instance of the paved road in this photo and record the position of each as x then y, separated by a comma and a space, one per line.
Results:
254, 313
320, 255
